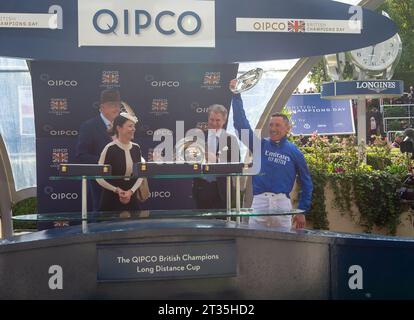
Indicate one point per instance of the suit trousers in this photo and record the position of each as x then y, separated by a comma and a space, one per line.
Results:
207, 195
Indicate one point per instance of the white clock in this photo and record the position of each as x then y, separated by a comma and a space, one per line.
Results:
375, 62
378, 61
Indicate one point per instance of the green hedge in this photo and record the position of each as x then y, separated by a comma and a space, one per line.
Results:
27, 206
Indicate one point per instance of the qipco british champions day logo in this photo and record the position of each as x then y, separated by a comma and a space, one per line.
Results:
147, 23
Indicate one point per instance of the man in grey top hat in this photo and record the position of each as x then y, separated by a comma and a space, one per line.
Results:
93, 136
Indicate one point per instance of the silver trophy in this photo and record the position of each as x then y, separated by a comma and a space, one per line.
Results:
247, 80
189, 151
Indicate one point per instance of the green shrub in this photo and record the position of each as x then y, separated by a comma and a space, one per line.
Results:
372, 186
27, 206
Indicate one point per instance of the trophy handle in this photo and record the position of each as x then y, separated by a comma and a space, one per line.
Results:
247, 80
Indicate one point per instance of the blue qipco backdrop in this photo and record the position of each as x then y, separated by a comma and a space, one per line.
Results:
310, 113
67, 94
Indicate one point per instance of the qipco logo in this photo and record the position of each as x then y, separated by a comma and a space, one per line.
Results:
60, 196
60, 132
58, 82
166, 22
198, 108
159, 132
161, 83
160, 194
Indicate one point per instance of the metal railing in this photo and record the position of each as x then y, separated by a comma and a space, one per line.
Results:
394, 120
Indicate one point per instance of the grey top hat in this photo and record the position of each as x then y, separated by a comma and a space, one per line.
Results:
110, 95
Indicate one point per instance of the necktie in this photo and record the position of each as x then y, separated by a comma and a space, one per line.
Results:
217, 149
109, 126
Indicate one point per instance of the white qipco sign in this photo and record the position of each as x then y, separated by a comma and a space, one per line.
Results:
146, 23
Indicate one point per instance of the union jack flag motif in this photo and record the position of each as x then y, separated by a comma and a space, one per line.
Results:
296, 26
110, 77
202, 125
159, 105
60, 156
58, 104
211, 78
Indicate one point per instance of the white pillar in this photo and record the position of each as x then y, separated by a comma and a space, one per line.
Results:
362, 125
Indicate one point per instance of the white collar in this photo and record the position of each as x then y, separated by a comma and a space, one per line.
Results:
215, 133
105, 120
123, 146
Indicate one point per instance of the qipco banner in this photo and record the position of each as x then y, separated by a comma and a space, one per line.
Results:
310, 114
185, 31
67, 94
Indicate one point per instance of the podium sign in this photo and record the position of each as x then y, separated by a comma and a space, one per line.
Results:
167, 260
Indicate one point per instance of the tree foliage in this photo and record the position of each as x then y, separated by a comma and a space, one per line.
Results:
318, 75
402, 13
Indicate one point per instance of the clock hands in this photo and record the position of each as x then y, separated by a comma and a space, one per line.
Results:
372, 54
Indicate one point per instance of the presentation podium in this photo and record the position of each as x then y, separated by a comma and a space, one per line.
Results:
169, 170
198, 254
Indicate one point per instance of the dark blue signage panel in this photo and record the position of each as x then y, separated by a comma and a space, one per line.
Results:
367, 88
66, 94
373, 271
167, 260
310, 113
185, 31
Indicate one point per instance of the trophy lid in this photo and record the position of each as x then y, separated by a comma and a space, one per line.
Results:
247, 80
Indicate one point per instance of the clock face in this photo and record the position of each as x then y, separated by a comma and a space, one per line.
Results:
379, 56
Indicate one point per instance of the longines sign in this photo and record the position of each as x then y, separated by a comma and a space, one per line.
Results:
368, 88
164, 23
